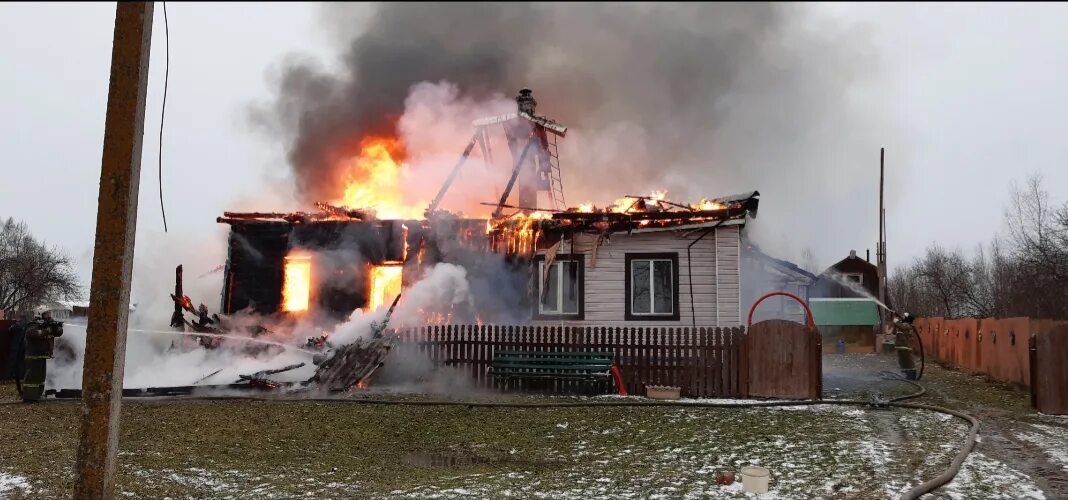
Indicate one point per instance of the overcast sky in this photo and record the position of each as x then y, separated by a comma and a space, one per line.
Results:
976, 92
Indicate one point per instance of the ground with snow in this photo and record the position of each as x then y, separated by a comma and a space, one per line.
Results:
240, 449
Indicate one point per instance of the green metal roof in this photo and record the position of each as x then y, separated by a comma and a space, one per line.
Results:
844, 312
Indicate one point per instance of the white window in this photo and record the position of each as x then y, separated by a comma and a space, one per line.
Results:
561, 293
652, 287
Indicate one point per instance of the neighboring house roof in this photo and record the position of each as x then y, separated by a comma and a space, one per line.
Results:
784, 267
844, 312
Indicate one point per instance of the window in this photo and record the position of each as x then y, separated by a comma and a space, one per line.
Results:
791, 306
652, 286
856, 277
560, 296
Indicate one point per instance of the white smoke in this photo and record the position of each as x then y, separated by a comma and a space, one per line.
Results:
435, 128
442, 291
153, 354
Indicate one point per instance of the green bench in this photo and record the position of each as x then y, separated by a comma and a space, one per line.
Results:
583, 366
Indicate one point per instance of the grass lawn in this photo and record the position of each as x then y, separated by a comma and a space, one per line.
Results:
275, 449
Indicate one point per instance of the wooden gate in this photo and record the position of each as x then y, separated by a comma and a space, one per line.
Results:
784, 360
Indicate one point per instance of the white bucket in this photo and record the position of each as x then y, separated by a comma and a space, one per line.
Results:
755, 479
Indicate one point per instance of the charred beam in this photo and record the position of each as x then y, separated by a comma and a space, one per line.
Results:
724, 213
515, 175
455, 170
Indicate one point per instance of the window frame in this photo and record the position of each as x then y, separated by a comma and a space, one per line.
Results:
791, 306
629, 259
539, 260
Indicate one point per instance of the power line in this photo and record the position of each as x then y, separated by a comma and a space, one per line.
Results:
163, 112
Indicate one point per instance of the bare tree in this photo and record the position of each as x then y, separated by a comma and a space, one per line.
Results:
808, 261
1039, 230
32, 273
1025, 274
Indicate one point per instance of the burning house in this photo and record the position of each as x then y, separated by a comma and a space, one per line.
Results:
644, 260
335, 261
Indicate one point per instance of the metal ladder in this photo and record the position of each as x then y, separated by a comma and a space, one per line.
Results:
556, 186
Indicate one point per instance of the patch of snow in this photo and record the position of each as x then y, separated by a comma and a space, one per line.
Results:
10, 482
1055, 449
982, 473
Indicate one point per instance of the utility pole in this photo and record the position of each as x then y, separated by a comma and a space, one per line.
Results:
881, 246
116, 221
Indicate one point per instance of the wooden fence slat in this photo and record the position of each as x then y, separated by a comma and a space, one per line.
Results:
702, 368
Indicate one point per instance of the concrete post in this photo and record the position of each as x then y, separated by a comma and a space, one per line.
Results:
116, 220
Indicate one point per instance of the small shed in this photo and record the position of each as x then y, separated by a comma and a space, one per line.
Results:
849, 320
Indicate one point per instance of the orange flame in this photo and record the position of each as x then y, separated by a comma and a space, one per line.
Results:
296, 288
708, 205
385, 285
373, 180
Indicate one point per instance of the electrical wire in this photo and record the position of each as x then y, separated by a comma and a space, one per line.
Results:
163, 112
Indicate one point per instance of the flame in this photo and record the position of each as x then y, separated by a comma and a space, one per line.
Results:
658, 195
373, 180
296, 288
586, 208
623, 205
385, 284
361, 385
707, 204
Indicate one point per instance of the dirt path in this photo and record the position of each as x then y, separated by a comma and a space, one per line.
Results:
1011, 432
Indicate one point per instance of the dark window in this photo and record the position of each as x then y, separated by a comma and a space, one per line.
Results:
652, 286
560, 289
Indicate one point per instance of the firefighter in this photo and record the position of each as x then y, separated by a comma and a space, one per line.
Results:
16, 361
41, 335
904, 332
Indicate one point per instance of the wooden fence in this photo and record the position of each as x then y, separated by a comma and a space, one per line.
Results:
1027, 352
702, 362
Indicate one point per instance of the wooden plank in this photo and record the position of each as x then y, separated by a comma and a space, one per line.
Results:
728, 371
660, 343
1051, 372
738, 354
688, 375
673, 356
710, 368
495, 340
702, 361
743, 368
472, 357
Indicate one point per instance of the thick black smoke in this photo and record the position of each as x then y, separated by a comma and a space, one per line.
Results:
699, 99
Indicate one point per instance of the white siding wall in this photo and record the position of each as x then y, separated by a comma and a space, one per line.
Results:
716, 257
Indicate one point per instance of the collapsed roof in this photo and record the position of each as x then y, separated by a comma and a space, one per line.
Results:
639, 213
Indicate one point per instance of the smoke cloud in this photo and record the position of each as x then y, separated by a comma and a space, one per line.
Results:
698, 99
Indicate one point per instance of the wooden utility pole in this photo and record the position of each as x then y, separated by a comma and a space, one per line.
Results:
116, 221
881, 248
